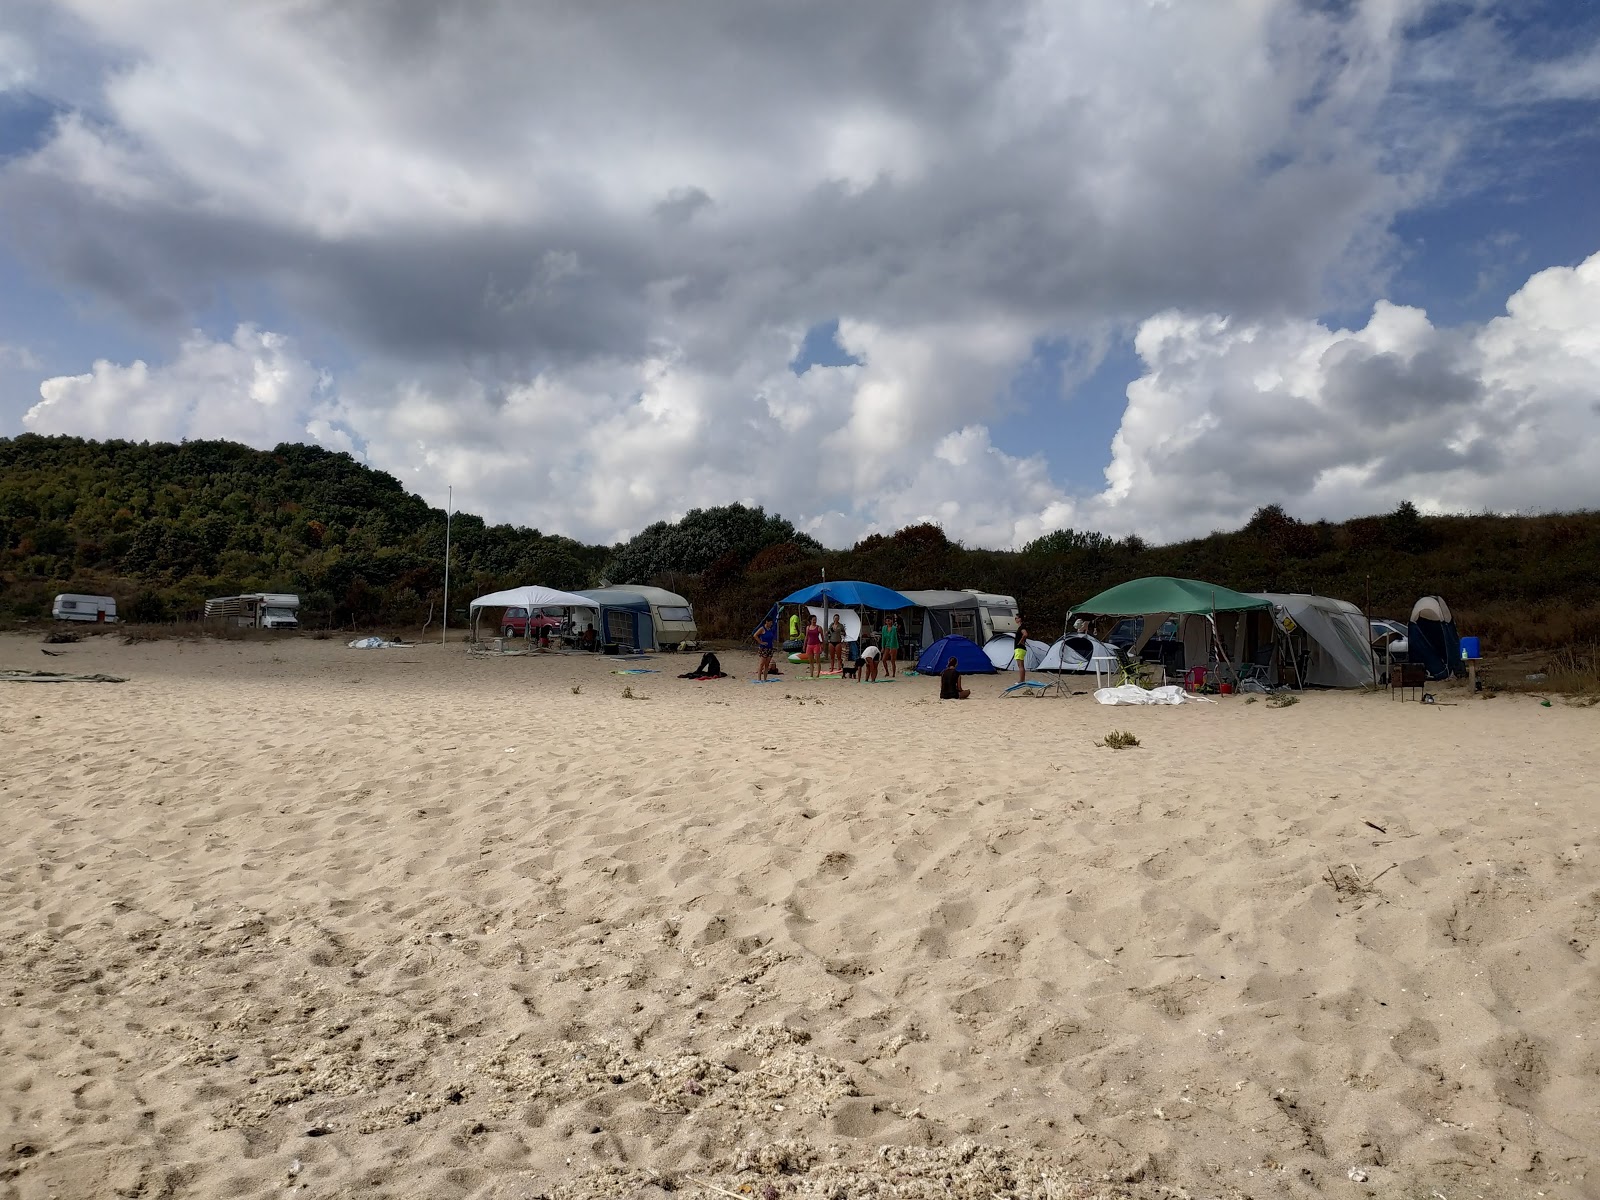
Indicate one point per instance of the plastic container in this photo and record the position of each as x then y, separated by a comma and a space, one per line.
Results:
1469, 648
1226, 689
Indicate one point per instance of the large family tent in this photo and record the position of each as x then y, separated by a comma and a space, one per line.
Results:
937, 614
1002, 652
1211, 619
1432, 639
635, 617
1330, 639
1078, 654
969, 656
530, 599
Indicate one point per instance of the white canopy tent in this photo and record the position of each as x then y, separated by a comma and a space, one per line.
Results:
530, 599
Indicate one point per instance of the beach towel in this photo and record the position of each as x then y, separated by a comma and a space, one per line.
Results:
637, 671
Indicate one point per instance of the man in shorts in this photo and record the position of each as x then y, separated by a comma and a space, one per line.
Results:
950, 683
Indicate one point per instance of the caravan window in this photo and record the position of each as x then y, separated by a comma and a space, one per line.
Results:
66, 604
676, 613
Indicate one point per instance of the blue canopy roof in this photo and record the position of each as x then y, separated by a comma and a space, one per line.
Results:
969, 656
849, 594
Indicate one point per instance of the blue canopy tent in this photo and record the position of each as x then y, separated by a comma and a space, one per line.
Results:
969, 656
849, 594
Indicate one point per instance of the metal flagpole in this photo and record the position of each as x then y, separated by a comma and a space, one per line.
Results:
450, 495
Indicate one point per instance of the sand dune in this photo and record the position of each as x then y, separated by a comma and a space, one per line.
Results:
286, 918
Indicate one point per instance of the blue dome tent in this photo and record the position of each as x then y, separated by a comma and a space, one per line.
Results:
969, 656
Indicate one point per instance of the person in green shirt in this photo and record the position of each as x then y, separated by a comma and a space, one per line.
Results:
794, 626
890, 641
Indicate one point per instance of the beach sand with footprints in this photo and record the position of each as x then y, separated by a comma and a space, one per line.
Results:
286, 918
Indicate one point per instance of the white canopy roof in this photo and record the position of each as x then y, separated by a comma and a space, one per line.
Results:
534, 597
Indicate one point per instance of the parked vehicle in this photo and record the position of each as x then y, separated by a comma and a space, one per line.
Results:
1126, 635
515, 622
70, 606
258, 610
1389, 638
998, 614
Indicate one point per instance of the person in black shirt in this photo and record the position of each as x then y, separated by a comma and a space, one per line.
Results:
950, 684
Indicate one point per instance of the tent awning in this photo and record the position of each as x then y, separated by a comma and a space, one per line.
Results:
1166, 594
850, 594
533, 597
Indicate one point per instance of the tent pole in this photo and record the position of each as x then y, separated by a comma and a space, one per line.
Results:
1366, 615
444, 629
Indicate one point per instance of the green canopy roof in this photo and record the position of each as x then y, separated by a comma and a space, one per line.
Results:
1164, 594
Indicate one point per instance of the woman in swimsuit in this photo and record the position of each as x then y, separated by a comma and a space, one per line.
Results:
813, 651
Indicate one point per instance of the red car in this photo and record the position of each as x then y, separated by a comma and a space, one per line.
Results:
515, 622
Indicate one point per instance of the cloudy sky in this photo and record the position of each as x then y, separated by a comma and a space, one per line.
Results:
1128, 265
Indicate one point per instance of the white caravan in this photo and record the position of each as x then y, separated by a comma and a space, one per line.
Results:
70, 606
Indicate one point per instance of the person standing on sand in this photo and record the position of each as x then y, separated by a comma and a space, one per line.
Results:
766, 639
794, 626
1020, 654
836, 643
868, 670
891, 645
813, 646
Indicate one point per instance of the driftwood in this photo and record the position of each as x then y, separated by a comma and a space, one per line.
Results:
56, 677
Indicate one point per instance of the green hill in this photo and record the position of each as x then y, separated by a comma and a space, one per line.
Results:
163, 526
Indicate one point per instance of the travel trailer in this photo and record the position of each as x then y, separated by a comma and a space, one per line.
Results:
998, 614
259, 610
70, 606
634, 617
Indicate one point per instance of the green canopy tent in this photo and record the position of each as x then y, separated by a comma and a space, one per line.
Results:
1161, 596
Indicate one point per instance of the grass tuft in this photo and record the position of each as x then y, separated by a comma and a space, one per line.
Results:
1283, 701
1119, 739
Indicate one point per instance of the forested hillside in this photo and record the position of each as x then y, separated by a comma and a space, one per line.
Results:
163, 526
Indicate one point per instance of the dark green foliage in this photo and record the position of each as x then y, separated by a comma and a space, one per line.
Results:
169, 525
730, 535
164, 526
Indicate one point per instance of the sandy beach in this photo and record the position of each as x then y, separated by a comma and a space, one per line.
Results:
287, 918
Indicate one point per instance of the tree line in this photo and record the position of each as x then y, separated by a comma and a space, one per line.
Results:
163, 526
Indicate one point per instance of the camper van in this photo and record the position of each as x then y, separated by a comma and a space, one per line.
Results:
72, 607
998, 614
258, 610
634, 617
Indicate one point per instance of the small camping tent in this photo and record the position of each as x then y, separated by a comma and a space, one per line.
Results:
1432, 639
1078, 654
969, 656
1002, 652
1331, 639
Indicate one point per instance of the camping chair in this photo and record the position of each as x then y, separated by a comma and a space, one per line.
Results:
1129, 669
1259, 668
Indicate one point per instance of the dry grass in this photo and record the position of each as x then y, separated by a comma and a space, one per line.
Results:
1574, 671
1282, 700
1119, 739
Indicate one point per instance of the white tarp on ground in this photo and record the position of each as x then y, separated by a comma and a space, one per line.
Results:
848, 617
1078, 653
1132, 693
532, 597
1002, 652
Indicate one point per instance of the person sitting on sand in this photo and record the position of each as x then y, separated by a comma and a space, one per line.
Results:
709, 668
950, 683
766, 640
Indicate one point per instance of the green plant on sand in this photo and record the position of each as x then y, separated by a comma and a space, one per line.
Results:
1119, 739
1283, 701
